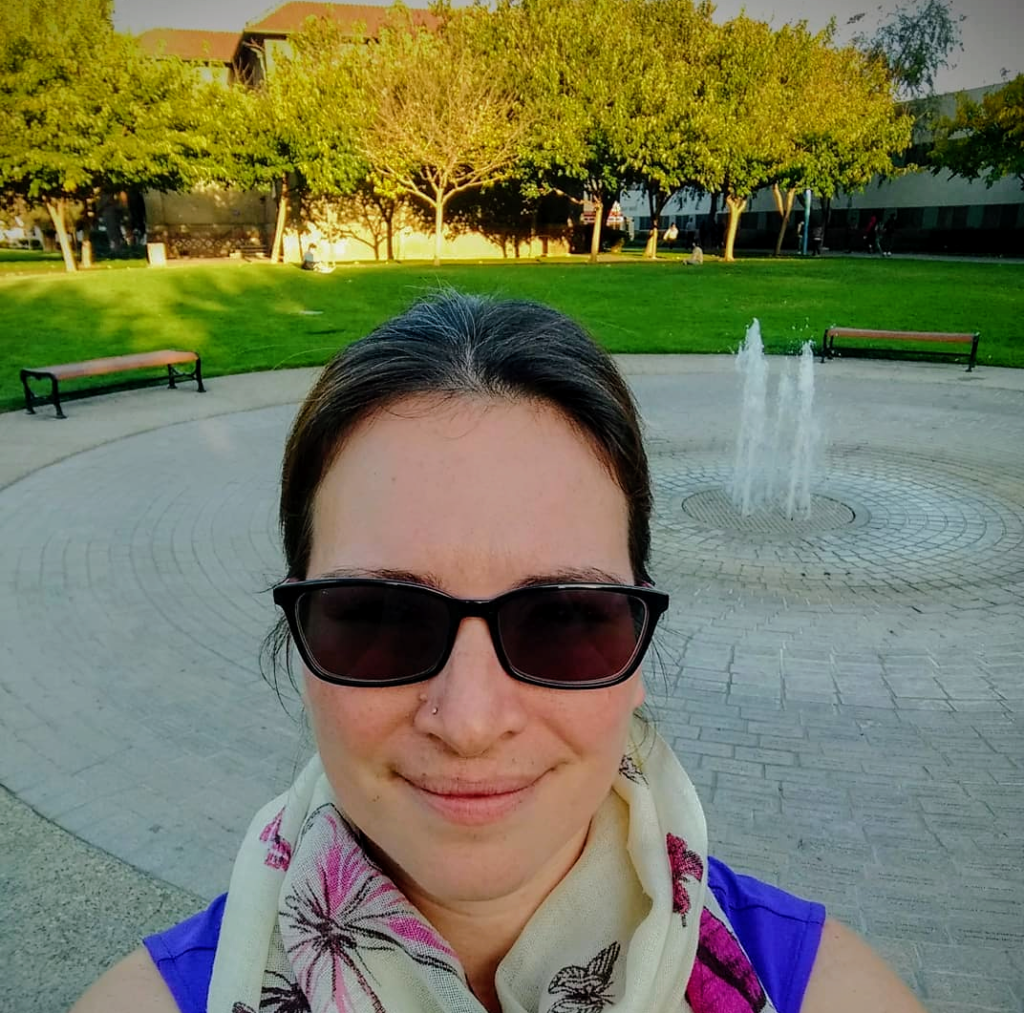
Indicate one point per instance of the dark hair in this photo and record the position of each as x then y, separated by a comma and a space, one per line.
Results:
454, 345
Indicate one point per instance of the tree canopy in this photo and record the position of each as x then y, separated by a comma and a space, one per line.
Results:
984, 140
84, 110
589, 76
437, 109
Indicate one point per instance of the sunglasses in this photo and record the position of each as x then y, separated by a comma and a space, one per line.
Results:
368, 632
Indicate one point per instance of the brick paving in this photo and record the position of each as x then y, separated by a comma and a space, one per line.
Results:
846, 693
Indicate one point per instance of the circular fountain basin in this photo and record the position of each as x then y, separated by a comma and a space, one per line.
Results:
714, 508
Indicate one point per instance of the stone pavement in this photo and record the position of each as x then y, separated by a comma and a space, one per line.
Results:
846, 692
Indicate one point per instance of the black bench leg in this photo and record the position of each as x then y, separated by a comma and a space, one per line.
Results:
974, 353
173, 375
55, 397
29, 397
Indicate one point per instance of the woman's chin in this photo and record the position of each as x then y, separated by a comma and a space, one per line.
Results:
481, 872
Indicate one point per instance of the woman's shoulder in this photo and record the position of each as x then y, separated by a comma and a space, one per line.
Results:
133, 985
779, 932
806, 961
169, 973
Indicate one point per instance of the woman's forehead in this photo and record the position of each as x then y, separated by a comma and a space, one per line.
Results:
493, 484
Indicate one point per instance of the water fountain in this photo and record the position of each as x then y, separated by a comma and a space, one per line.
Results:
777, 438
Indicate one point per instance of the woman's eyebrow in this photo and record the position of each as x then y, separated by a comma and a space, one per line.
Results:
572, 575
569, 575
383, 573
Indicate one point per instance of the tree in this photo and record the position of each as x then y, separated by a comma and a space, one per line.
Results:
437, 110
668, 148
984, 140
915, 43
294, 133
584, 70
846, 123
749, 123
85, 111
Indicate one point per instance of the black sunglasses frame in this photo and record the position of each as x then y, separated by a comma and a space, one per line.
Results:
288, 594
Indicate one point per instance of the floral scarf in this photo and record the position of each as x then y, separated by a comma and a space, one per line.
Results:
313, 924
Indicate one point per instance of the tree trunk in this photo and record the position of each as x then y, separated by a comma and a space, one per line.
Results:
56, 209
389, 224
784, 208
85, 258
438, 228
651, 246
282, 214
595, 237
736, 205
656, 207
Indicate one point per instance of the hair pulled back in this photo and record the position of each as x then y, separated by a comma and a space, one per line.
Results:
454, 345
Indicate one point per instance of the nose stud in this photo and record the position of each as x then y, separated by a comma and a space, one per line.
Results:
434, 711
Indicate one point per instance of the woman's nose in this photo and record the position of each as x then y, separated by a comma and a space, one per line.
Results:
477, 702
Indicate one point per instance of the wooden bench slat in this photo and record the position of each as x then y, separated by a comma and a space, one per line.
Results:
115, 364
852, 332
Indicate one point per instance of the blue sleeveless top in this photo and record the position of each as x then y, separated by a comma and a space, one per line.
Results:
779, 932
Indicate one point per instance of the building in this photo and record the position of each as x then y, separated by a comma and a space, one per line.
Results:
267, 40
211, 53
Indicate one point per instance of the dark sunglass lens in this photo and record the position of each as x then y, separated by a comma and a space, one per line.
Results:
569, 636
373, 633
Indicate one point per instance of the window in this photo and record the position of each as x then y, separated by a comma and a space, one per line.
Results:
910, 218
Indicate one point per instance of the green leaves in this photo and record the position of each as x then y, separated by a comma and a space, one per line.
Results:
84, 110
984, 140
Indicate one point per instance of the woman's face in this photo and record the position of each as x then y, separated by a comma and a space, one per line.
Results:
495, 790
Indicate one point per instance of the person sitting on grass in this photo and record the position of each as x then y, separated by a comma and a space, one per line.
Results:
487, 824
696, 257
311, 261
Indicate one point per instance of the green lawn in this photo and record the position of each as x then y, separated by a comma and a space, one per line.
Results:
243, 317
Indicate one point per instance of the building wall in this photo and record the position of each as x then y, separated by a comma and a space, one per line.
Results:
217, 223
211, 222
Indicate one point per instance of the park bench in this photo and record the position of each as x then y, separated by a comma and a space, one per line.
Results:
828, 342
114, 364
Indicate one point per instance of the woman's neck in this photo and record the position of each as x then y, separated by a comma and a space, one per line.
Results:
482, 932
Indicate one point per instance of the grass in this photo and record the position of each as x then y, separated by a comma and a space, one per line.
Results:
243, 317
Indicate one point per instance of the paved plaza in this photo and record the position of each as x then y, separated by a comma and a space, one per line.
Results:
846, 691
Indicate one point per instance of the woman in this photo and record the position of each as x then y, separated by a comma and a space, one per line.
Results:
465, 510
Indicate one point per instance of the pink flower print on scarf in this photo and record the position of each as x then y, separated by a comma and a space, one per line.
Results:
685, 864
344, 909
723, 980
279, 854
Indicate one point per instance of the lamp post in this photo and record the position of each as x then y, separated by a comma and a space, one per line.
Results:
807, 217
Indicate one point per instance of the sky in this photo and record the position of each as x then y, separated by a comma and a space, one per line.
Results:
993, 32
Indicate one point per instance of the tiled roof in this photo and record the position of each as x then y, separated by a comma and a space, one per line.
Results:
190, 44
290, 17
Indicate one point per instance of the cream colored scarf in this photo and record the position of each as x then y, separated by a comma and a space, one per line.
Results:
312, 923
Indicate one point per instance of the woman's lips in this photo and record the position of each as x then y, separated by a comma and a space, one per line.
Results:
471, 803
